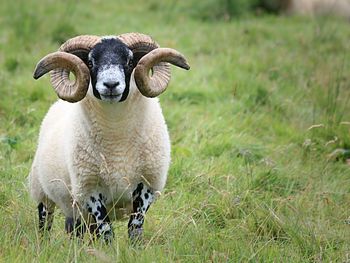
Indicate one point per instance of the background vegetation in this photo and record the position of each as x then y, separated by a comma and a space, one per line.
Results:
260, 132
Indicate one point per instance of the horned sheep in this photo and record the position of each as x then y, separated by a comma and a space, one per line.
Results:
104, 148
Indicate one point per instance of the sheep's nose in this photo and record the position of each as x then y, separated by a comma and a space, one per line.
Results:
111, 84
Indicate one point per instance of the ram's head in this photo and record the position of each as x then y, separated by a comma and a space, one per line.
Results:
109, 62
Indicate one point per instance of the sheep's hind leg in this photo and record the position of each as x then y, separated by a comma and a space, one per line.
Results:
97, 209
143, 196
72, 225
45, 212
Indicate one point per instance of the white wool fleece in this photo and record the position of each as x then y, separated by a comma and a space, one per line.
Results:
94, 145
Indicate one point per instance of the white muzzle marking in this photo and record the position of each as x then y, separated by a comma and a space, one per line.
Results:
111, 74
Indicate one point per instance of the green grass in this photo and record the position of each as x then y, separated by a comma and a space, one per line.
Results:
251, 178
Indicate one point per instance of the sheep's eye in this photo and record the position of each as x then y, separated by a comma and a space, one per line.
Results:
130, 63
90, 64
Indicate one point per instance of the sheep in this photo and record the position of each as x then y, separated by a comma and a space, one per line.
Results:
103, 148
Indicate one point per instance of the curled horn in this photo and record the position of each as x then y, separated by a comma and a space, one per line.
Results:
150, 57
146, 52
65, 61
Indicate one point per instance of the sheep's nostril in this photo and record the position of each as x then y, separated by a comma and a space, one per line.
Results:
111, 84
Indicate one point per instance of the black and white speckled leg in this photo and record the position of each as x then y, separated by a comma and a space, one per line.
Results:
143, 196
45, 213
97, 209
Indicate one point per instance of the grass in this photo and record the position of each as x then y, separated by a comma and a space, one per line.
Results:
259, 126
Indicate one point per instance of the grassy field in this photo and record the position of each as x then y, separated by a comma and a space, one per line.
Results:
260, 132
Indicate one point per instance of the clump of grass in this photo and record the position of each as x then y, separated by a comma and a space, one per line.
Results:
211, 10
11, 64
4, 199
11, 142
37, 95
331, 132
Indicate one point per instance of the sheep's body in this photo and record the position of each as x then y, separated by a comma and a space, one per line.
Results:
100, 147
107, 154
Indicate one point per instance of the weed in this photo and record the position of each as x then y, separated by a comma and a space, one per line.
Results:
11, 64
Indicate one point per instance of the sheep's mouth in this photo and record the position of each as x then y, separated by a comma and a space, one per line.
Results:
111, 97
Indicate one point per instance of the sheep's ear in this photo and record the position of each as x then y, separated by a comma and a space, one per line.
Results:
82, 54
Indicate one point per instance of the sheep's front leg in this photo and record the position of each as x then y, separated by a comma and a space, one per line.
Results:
45, 212
97, 209
143, 197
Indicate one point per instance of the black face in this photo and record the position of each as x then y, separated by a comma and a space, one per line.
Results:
110, 63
